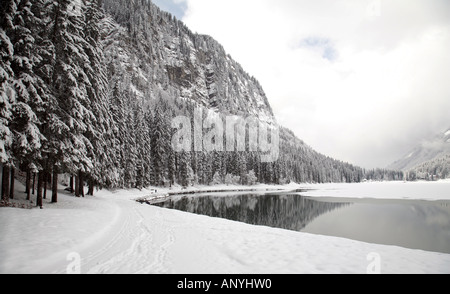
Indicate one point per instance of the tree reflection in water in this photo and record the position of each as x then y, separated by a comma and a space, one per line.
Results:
291, 212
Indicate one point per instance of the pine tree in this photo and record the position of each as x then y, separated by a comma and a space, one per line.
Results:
5, 183
229, 179
70, 111
118, 135
242, 167
31, 91
171, 166
185, 169
217, 179
207, 175
147, 151
251, 178
99, 131
141, 144
7, 11
131, 150
159, 143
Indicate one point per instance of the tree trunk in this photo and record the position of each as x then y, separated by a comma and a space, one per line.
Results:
44, 183
34, 182
39, 202
77, 187
71, 184
91, 187
11, 190
49, 179
28, 184
80, 177
5, 183
55, 185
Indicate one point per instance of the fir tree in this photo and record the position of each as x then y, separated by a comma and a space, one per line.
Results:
99, 130
7, 12
159, 143
251, 178
31, 92
7, 95
72, 114
217, 179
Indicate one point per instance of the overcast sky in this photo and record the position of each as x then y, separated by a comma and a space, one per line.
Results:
362, 81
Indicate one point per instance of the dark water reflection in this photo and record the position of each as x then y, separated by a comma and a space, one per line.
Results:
292, 212
412, 224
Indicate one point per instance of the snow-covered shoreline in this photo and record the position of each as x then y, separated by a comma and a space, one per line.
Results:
394, 190
111, 233
420, 190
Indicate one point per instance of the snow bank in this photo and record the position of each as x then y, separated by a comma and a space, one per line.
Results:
383, 190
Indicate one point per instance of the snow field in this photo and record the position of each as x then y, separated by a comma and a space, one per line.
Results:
111, 233
431, 191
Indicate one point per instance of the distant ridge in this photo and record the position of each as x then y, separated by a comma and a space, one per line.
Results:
428, 150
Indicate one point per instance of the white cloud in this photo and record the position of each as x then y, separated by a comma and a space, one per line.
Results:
361, 81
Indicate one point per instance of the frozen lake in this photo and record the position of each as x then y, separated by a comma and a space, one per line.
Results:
415, 224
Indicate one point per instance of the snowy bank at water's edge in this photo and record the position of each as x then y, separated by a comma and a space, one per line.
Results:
421, 190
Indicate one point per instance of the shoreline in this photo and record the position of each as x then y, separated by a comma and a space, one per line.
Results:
166, 195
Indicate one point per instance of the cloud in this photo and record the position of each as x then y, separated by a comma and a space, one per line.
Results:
322, 46
362, 81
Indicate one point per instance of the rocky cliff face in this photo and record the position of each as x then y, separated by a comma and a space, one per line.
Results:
163, 57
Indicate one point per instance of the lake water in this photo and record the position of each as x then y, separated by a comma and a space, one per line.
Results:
411, 224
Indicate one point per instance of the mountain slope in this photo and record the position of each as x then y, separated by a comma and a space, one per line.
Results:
438, 168
165, 56
156, 56
428, 150
161, 57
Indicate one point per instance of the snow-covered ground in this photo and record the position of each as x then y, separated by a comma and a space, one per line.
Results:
111, 233
383, 190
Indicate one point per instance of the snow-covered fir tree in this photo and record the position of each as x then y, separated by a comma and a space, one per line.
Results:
7, 95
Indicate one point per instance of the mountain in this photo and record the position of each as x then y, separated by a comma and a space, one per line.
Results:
96, 96
428, 150
162, 58
435, 169
166, 57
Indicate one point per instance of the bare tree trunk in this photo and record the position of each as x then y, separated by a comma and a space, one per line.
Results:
39, 202
34, 182
71, 184
91, 187
11, 190
80, 176
44, 183
5, 183
55, 185
28, 184
77, 187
